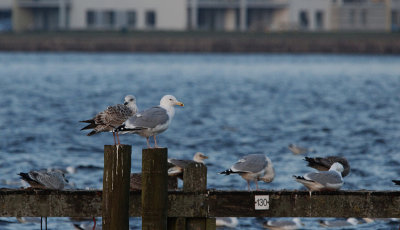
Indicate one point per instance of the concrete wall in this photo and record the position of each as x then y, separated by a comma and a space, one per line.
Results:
371, 17
6, 4
170, 15
311, 7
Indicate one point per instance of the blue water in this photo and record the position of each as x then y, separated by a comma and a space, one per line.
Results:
234, 104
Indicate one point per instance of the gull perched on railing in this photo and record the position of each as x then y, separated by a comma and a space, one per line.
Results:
45, 179
325, 180
178, 165
151, 121
112, 117
324, 163
253, 167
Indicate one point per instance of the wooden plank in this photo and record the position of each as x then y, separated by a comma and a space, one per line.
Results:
155, 188
78, 203
195, 180
116, 179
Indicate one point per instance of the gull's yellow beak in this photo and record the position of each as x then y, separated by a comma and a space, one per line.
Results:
179, 103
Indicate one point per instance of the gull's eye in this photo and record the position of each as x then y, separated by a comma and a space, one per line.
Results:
170, 99
131, 99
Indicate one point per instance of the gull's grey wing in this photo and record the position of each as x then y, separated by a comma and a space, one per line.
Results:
180, 163
250, 163
324, 178
51, 180
149, 118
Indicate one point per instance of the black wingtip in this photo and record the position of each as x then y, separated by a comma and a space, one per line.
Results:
396, 182
226, 172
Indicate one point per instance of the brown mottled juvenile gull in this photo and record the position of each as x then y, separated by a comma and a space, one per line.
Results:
45, 179
325, 180
324, 163
295, 223
253, 167
112, 117
179, 165
152, 121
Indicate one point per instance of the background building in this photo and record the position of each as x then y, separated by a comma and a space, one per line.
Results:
221, 15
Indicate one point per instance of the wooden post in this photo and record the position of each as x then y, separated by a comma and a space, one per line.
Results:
195, 180
154, 188
116, 177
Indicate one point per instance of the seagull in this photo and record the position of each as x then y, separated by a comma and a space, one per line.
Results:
152, 121
339, 223
299, 150
230, 222
325, 180
324, 163
179, 165
112, 117
253, 167
397, 182
45, 179
283, 224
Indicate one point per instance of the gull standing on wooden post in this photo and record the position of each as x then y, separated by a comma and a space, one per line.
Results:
112, 117
152, 121
253, 167
325, 180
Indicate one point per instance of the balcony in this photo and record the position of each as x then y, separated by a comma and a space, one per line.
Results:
43, 3
237, 3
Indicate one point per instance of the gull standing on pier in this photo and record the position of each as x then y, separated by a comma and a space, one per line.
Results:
152, 121
45, 179
112, 117
325, 180
253, 167
324, 163
178, 165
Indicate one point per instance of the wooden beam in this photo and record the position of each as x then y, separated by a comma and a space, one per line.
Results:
78, 203
116, 179
155, 188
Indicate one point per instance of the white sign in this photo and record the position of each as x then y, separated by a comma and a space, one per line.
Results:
261, 202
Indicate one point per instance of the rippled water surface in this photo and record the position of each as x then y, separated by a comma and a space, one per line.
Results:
234, 105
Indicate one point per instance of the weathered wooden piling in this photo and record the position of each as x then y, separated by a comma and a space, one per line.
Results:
116, 178
154, 188
195, 180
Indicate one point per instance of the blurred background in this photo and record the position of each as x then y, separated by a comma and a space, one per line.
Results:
254, 75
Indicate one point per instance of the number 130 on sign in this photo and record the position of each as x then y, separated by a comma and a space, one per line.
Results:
261, 202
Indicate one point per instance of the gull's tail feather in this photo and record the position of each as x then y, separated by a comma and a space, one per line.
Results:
25, 176
93, 133
89, 126
396, 182
226, 172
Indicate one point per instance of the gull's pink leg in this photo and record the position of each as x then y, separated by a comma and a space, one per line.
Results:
148, 145
118, 138
115, 142
94, 223
256, 186
248, 186
155, 142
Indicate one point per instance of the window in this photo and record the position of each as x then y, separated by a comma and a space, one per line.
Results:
90, 18
150, 19
364, 17
131, 19
109, 18
303, 18
352, 16
319, 20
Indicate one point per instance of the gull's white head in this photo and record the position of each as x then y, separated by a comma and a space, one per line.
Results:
169, 100
337, 167
130, 100
199, 157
